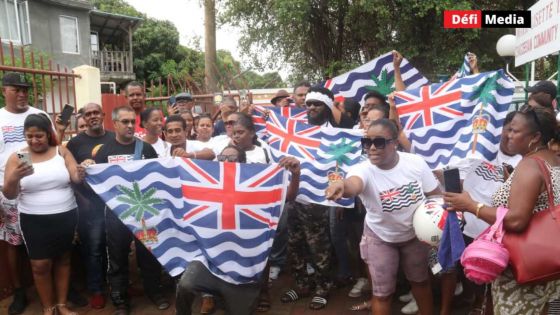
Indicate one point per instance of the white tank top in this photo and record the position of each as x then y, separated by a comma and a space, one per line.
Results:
47, 190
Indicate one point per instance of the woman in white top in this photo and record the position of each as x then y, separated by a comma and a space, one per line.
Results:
244, 136
151, 119
391, 186
204, 129
40, 176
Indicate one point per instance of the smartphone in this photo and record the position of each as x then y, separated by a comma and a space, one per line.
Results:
452, 180
24, 157
66, 113
172, 101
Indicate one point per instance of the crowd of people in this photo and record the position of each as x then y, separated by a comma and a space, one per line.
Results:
46, 206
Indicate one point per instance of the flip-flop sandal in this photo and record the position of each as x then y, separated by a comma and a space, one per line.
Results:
318, 303
291, 296
364, 306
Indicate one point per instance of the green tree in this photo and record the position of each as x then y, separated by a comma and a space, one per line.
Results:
327, 37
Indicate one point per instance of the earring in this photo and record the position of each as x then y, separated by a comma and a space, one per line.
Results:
530, 144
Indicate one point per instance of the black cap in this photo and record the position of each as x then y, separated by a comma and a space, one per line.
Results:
183, 96
14, 79
545, 87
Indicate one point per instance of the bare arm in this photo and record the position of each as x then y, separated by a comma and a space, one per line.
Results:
77, 172
397, 59
526, 186
291, 164
349, 187
14, 172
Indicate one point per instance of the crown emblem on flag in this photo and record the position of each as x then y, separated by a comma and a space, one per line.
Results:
480, 123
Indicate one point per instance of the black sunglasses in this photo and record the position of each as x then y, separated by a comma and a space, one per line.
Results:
314, 103
226, 158
229, 122
528, 109
379, 143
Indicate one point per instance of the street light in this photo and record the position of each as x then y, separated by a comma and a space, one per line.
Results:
506, 49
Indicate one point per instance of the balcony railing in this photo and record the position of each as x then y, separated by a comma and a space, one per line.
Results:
112, 61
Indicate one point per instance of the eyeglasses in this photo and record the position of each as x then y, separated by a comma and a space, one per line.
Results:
92, 113
127, 122
230, 122
226, 158
316, 104
379, 143
526, 109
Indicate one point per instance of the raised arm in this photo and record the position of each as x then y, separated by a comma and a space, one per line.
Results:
397, 59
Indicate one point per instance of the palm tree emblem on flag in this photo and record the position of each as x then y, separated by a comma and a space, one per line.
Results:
383, 84
139, 203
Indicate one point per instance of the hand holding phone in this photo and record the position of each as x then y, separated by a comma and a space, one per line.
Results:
24, 157
66, 114
452, 180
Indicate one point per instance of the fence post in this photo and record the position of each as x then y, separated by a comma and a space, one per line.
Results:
88, 87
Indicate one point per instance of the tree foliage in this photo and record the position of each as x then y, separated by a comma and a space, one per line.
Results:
158, 54
327, 37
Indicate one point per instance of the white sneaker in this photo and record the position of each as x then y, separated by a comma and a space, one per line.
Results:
357, 289
310, 269
410, 308
458, 289
274, 272
406, 297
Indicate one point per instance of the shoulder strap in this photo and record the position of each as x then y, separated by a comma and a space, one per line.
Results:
138, 146
546, 176
266, 157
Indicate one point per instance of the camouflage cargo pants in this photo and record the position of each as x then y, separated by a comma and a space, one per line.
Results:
308, 239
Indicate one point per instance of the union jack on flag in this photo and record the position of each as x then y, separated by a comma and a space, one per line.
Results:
462, 118
233, 200
221, 214
293, 137
430, 104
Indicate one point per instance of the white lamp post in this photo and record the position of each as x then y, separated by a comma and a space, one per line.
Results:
506, 49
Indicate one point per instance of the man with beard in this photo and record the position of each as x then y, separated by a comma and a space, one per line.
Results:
91, 224
308, 225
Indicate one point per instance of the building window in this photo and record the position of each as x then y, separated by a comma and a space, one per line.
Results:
14, 21
94, 41
69, 35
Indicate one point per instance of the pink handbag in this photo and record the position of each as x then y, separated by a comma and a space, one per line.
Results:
486, 257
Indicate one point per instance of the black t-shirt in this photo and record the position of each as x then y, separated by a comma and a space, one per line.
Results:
84, 147
114, 152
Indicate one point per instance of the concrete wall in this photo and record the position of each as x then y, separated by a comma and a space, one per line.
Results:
45, 32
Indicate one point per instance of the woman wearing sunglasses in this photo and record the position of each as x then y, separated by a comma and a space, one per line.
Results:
524, 194
391, 185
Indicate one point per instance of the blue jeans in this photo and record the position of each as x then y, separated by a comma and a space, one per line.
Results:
91, 229
338, 229
279, 249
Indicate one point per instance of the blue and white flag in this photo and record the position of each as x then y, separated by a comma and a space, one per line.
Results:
378, 74
461, 118
221, 214
322, 152
465, 69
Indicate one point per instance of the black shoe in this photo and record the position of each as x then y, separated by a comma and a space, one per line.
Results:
19, 303
160, 301
75, 298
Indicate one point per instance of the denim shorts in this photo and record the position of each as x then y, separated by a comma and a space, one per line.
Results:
383, 260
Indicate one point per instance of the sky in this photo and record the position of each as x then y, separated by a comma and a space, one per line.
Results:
188, 17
